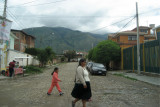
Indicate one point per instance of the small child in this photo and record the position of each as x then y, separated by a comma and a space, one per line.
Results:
55, 81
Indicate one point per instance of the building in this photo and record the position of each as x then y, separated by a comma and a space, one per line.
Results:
129, 38
157, 29
23, 40
12, 40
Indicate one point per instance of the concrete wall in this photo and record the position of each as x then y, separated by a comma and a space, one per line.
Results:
28, 61
11, 44
3, 56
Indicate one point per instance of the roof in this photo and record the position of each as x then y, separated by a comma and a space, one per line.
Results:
111, 35
22, 32
149, 36
129, 33
142, 27
13, 35
157, 27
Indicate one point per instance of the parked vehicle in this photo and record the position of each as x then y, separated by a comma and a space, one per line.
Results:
89, 64
97, 68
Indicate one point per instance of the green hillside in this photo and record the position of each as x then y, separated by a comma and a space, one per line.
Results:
60, 38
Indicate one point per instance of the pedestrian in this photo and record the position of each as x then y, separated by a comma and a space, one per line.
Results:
82, 89
11, 67
55, 81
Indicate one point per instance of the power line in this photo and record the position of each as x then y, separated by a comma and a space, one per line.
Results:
45, 16
111, 24
14, 19
38, 4
17, 19
148, 11
23, 3
125, 25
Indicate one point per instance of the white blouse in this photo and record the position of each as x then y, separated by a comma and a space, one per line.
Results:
86, 75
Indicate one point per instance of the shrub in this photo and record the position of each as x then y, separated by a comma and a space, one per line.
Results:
33, 69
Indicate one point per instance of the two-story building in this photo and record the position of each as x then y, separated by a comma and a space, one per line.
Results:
23, 40
129, 38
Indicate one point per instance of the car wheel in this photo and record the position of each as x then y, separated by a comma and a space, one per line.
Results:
105, 74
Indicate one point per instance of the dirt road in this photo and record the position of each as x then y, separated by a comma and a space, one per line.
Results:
108, 91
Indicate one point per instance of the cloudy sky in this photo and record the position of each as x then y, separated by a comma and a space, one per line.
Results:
95, 16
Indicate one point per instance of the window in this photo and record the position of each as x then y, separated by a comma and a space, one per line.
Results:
132, 38
144, 30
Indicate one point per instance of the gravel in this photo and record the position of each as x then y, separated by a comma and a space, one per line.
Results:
107, 91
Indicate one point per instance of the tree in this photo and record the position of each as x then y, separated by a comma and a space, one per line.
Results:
31, 51
90, 54
43, 55
70, 54
105, 52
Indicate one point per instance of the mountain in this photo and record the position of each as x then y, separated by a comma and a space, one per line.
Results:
60, 38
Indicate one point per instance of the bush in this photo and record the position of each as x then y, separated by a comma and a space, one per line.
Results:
33, 69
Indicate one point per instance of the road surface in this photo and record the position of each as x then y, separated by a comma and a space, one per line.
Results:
108, 91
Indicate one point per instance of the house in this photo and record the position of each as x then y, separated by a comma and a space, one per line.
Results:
12, 39
23, 40
126, 38
129, 38
157, 31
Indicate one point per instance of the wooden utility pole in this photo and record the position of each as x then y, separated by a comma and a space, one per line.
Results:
138, 45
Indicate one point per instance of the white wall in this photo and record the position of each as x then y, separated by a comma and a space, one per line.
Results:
3, 54
13, 53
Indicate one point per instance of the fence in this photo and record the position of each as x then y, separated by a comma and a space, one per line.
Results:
149, 57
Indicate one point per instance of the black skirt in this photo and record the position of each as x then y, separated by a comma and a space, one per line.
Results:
80, 92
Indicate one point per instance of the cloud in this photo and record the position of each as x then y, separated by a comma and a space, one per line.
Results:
84, 15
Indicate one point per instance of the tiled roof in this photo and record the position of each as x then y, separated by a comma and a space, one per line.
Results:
23, 32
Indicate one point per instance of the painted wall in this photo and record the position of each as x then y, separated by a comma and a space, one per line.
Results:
11, 46
3, 56
13, 53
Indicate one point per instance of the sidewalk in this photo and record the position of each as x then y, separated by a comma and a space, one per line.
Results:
141, 77
3, 77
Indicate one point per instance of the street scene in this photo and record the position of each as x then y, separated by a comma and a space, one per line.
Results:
79, 53
107, 91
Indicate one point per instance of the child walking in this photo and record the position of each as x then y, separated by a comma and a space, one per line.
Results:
55, 81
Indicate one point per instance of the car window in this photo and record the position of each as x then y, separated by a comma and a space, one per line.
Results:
99, 65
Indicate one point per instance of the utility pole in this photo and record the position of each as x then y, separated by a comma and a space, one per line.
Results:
138, 45
4, 19
5, 8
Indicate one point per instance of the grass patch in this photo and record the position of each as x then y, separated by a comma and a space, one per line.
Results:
33, 69
122, 75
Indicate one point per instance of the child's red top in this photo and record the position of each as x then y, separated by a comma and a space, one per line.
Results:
55, 78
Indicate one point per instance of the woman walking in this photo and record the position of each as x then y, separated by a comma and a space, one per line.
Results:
82, 89
55, 81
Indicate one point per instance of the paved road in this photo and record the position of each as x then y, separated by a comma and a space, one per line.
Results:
108, 91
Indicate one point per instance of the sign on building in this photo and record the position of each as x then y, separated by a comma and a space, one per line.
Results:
5, 28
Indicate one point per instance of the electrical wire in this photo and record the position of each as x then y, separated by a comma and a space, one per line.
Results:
16, 18
111, 24
20, 26
125, 25
48, 3
23, 3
